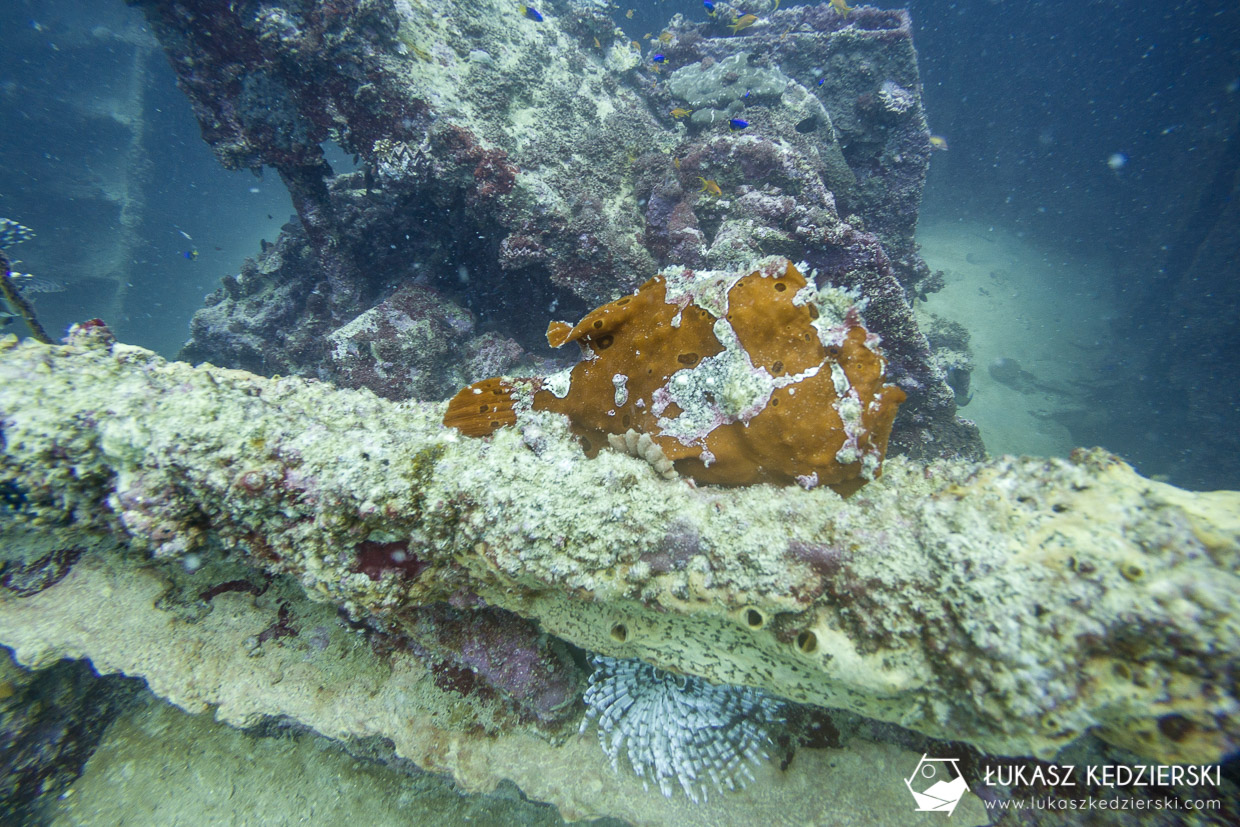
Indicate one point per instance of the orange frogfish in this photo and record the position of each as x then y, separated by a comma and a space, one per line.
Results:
736, 377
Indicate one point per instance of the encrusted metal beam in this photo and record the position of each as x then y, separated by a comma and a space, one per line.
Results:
1012, 604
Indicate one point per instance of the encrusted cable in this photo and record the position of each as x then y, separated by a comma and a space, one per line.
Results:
19, 303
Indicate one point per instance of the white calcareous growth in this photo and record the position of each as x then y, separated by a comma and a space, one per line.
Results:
678, 727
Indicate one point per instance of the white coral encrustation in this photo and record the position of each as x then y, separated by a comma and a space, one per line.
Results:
895, 98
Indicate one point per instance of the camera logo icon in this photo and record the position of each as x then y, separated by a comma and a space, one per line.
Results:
937, 784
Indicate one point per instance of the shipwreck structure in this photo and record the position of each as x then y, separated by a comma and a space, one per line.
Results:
510, 169
1012, 605
288, 531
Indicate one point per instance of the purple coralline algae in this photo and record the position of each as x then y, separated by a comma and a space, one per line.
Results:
503, 651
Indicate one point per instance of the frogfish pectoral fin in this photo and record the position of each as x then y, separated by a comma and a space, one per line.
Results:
482, 408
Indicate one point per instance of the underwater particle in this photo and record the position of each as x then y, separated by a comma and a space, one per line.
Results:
679, 727
1117, 161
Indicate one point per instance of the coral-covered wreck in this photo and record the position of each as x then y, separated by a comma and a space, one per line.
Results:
512, 171
188, 524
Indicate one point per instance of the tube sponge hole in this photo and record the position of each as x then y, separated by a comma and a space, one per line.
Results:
753, 618
619, 633
807, 642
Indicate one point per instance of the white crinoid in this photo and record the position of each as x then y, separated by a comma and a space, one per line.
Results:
678, 727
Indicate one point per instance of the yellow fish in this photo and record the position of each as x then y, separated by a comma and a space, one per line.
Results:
938, 142
748, 20
710, 187
680, 112
629, 14
597, 45
842, 7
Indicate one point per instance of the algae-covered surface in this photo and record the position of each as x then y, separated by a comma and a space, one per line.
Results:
804, 530
159, 765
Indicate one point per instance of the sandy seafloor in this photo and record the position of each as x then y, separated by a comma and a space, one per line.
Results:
1019, 299
1038, 323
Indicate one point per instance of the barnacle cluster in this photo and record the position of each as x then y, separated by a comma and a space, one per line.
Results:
679, 727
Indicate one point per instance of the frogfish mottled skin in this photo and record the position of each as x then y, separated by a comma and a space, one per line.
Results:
739, 378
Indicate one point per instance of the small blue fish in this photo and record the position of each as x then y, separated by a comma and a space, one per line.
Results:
189, 255
821, 81
710, 8
738, 123
13, 233
532, 14
658, 58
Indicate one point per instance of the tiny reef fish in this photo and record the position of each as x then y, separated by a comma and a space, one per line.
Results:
710, 8
710, 186
738, 123
680, 112
531, 13
189, 255
13, 233
746, 21
629, 14
938, 142
842, 7
660, 58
